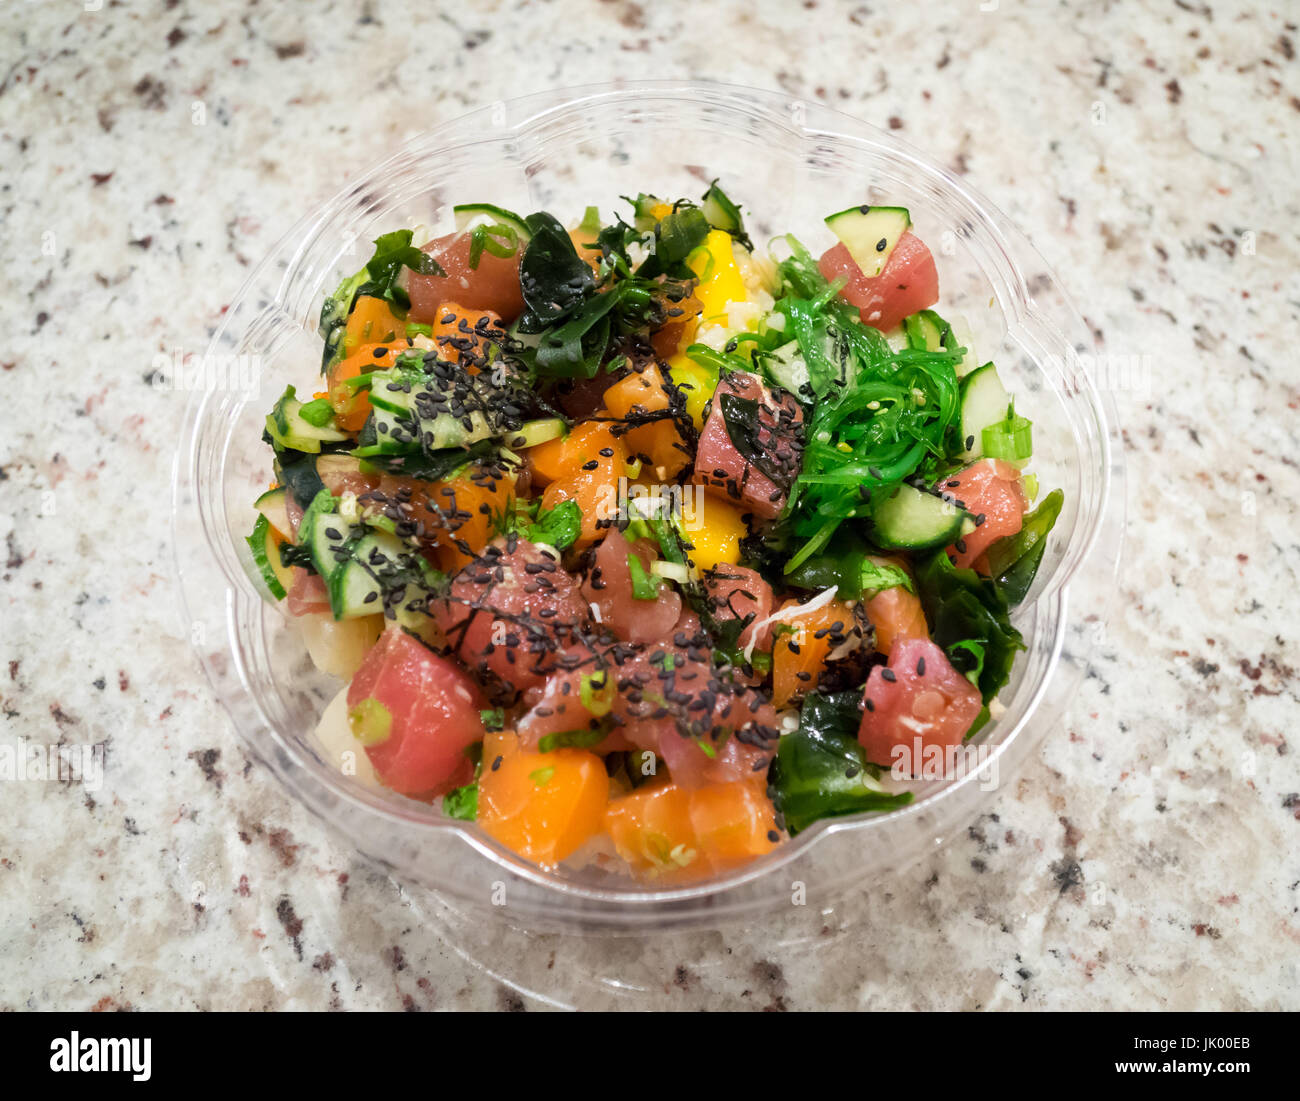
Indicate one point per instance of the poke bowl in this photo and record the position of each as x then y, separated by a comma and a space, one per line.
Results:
788, 164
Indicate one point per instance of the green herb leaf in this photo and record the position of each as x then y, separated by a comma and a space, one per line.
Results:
558, 527
494, 718
462, 803
393, 252
676, 236
554, 279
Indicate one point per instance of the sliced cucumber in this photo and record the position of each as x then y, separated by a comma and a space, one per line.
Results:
785, 367
927, 331
274, 505
721, 212
469, 213
960, 336
359, 565
266, 557
387, 433
356, 587
870, 234
325, 534
287, 427
539, 431
394, 390
911, 519
984, 401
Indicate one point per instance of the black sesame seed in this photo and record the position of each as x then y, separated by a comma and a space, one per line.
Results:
888, 674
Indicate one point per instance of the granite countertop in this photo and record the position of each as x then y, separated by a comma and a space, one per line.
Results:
1148, 857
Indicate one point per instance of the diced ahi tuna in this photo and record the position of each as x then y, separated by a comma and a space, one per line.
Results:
737, 592
909, 282
760, 479
608, 586
707, 727
510, 612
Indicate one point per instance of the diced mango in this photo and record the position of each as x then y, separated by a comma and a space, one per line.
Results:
696, 381
715, 530
721, 283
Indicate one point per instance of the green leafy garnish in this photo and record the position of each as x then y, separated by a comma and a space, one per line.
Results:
821, 771
875, 415
846, 565
676, 236
558, 527
554, 279
968, 619
1014, 559
393, 252
494, 718
462, 803
542, 776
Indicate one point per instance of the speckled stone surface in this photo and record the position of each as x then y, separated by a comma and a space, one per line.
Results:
1148, 858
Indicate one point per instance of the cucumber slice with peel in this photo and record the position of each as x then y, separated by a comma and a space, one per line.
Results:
870, 233
274, 505
266, 557
984, 401
912, 519
467, 214
286, 426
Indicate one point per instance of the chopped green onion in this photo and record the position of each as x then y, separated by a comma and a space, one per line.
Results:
671, 571
597, 691
644, 585
571, 739
371, 722
317, 413
1010, 440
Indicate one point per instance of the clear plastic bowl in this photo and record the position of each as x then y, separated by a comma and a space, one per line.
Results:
788, 162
